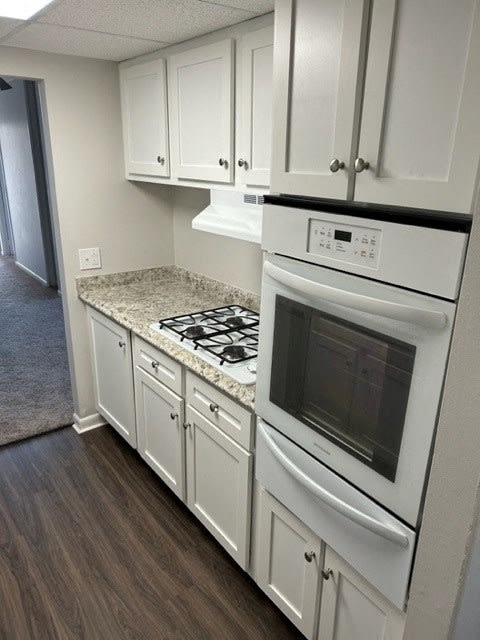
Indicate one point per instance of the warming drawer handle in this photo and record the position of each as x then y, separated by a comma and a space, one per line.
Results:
403, 312
345, 509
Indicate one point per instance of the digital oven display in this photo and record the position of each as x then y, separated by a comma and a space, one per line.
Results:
345, 236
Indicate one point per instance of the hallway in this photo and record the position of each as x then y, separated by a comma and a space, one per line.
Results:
35, 388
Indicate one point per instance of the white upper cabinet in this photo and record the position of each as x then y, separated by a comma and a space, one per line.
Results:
201, 112
254, 108
420, 123
317, 58
394, 95
145, 122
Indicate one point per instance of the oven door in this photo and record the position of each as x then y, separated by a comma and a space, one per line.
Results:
352, 371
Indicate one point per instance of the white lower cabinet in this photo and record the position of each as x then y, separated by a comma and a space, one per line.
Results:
314, 587
288, 558
219, 476
112, 374
160, 430
352, 608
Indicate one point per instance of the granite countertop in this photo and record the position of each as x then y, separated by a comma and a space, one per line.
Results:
136, 299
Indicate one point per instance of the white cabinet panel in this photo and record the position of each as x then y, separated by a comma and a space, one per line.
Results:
419, 128
352, 608
144, 114
282, 567
223, 412
113, 374
317, 59
219, 485
201, 108
160, 432
165, 369
255, 108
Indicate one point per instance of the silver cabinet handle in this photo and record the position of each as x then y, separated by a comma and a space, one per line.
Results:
155, 364
360, 165
309, 555
186, 425
223, 163
173, 415
326, 574
121, 344
160, 160
243, 163
214, 407
335, 165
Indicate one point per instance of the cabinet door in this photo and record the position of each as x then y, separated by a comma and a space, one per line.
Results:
318, 48
201, 108
419, 128
160, 432
219, 479
352, 608
283, 569
255, 108
113, 374
144, 114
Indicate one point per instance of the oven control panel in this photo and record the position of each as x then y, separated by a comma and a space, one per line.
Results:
349, 243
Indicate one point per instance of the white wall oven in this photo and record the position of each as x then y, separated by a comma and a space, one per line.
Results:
356, 321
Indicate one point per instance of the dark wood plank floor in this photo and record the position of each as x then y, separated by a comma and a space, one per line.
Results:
93, 545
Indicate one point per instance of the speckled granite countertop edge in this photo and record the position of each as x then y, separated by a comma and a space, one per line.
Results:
135, 299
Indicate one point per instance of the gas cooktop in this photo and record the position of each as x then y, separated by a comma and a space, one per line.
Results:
225, 337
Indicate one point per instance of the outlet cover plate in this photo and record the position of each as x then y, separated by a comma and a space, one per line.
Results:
90, 258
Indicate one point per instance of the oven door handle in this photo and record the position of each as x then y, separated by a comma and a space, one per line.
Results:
352, 513
403, 312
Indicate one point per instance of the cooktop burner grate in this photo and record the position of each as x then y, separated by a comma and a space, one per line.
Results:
219, 321
235, 345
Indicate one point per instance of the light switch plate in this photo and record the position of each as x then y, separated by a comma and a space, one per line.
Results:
90, 258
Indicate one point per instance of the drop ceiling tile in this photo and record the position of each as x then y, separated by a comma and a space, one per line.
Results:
258, 7
78, 42
7, 25
162, 20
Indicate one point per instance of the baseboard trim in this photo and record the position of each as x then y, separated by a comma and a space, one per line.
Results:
31, 273
82, 425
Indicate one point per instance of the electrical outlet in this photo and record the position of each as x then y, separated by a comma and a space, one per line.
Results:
90, 258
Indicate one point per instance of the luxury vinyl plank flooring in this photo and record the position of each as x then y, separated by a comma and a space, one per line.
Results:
94, 546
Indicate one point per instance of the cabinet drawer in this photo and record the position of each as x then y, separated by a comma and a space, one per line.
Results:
158, 364
225, 413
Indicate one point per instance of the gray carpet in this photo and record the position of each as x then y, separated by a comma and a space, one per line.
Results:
35, 391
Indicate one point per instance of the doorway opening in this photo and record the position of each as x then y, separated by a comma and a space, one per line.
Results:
35, 387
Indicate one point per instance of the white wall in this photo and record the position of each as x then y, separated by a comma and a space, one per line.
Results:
233, 261
452, 500
95, 206
20, 180
467, 626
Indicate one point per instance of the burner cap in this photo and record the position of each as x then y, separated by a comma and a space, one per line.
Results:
235, 321
234, 352
194, 332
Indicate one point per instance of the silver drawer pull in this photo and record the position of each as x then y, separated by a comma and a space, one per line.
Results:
173, 415
309, 555
326, 574
361, 165
335, 165
155, 364
121, 344
214, 407
186, 425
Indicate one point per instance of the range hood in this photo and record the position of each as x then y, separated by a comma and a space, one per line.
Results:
233, 214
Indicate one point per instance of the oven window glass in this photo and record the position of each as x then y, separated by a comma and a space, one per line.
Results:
346, 382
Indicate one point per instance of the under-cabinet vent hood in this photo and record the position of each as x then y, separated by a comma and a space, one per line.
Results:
234, 214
